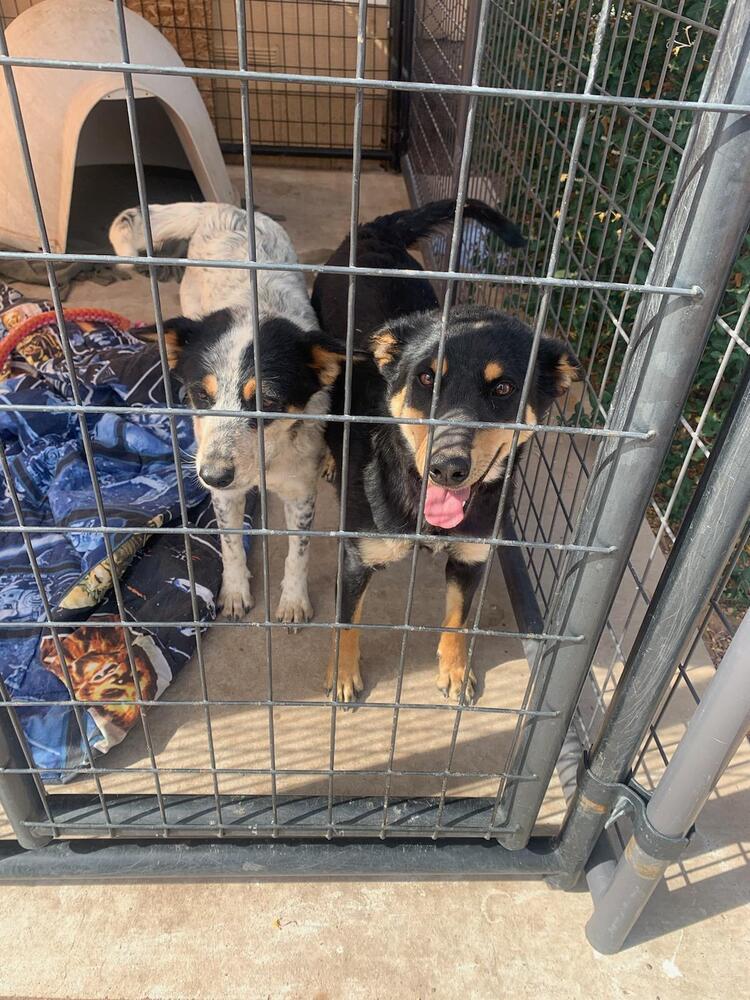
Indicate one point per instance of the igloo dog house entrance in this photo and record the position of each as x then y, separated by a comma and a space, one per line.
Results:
75, 118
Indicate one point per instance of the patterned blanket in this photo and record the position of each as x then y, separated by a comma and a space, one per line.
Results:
137, 479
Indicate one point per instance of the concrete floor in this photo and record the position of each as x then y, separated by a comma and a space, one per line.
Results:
310, 941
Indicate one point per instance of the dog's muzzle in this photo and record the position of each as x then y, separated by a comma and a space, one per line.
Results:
450, 461
450, 467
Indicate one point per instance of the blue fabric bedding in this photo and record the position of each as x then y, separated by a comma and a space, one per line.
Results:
138, 481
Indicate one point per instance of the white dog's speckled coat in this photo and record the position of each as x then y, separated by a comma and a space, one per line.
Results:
292, 460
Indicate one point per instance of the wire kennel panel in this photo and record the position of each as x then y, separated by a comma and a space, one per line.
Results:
444, 37
160, 813
618, 193
313, 38
306, 37
383, 811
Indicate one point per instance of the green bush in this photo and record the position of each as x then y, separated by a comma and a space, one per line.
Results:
619, 198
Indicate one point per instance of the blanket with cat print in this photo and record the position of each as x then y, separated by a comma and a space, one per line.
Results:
75, 706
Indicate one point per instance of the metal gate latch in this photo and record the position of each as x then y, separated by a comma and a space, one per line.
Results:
630, 797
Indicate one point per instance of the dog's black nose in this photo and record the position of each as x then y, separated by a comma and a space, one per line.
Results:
449, 470
217, 476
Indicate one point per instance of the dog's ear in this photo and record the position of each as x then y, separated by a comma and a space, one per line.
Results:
327, 356
558, 368
387, 345
178, 332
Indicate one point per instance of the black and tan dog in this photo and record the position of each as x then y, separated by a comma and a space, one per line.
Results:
485, 361
385, 242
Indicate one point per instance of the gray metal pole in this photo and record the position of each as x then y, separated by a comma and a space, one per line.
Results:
717, 515
716, 730
471, 28
600, 866
708, 216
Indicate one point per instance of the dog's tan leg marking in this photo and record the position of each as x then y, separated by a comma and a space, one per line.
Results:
452, 648
235, 597
328, 469
349, 680
469, 552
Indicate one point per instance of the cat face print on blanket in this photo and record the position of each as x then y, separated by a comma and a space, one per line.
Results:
99, 669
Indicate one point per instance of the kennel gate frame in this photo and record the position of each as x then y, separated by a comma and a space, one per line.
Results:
541, 856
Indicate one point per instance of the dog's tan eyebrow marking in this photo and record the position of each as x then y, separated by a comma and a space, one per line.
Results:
248, 390
492, 371
433, 366
210, 385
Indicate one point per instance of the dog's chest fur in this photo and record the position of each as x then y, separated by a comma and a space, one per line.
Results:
289, 467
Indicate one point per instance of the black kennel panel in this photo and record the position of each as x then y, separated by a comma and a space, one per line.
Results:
304, 39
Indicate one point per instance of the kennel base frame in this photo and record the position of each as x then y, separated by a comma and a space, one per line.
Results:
276, 861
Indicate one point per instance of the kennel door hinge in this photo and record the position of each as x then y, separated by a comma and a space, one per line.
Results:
630, 798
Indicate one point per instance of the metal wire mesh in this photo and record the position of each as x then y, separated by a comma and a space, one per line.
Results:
620, 186
308, 37
503, 106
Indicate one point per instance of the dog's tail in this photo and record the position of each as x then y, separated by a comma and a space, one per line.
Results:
410, 225
169, 223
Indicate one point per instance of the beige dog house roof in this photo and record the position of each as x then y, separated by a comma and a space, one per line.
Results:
55, 104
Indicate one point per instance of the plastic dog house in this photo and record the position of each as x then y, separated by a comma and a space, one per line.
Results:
56, 103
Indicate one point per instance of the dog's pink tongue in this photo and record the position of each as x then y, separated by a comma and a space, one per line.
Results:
445, 508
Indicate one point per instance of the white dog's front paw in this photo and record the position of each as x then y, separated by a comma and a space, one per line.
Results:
235, 598
294, 606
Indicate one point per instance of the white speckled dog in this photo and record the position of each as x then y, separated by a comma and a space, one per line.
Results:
210, 348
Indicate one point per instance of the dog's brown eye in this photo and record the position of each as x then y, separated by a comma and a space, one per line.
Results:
200, 398
503, 389
427, 378
271, 405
